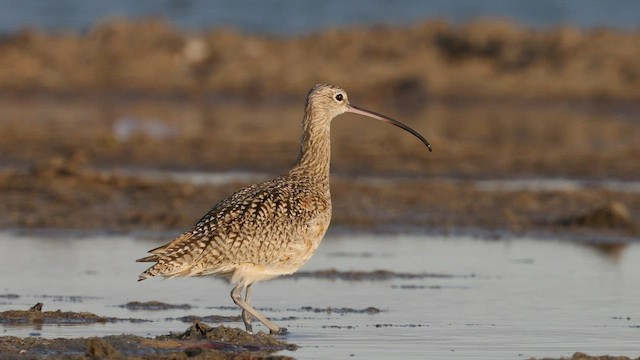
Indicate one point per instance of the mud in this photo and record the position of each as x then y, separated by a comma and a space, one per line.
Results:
218, 345
199, 341
237, 337
35, 315
68, 197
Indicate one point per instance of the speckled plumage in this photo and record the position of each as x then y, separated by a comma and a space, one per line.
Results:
269, 229
275, 225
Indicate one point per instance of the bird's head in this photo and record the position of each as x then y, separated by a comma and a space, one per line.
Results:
325, 102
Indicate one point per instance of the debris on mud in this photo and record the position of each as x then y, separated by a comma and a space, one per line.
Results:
614, 215
36, 315
153, 305
334, 274
223, 337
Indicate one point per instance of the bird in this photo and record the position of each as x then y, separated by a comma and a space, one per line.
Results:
269, 229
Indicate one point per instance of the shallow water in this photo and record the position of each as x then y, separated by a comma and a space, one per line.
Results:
517, 297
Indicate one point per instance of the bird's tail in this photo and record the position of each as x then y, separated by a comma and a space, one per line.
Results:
153, 270
164, 258
149, 273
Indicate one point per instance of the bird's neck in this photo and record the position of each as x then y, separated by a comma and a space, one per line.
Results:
315, 150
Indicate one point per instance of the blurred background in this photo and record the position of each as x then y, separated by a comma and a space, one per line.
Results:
141, 115
123, 122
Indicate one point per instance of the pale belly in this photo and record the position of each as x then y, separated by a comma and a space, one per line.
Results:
296, 255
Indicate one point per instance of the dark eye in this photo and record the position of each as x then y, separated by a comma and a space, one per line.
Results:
339, 97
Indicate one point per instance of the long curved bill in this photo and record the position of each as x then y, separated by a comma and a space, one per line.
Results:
356, 110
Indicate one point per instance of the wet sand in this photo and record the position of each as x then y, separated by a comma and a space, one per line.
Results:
497, 101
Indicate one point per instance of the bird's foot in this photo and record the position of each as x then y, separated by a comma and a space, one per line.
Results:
248, 320
279, 331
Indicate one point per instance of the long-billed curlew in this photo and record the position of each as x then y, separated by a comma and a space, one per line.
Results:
268, 229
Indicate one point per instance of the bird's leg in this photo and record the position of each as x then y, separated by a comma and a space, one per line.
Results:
246, 316
236, 295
